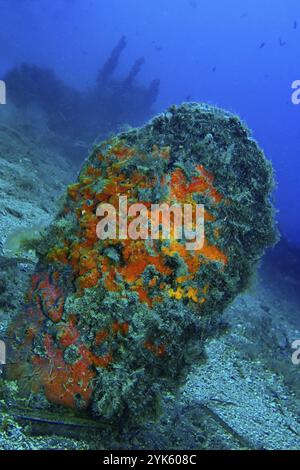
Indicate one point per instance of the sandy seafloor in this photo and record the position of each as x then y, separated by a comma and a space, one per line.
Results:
246, 396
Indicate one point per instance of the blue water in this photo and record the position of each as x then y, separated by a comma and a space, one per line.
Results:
240, 55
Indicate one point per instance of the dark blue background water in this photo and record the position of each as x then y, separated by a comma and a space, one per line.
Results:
206, 49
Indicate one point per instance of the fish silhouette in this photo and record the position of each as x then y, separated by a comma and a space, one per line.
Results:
281, 42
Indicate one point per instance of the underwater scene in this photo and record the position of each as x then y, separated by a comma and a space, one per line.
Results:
149, 225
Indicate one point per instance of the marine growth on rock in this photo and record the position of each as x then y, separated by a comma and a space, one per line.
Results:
110, 325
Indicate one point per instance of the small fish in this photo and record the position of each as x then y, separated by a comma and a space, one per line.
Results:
214, 69
281, 42
295, 24
262, 45
157, 47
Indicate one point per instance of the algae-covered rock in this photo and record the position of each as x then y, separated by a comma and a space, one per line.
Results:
111, 324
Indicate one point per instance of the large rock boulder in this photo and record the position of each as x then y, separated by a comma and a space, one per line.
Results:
111, 324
